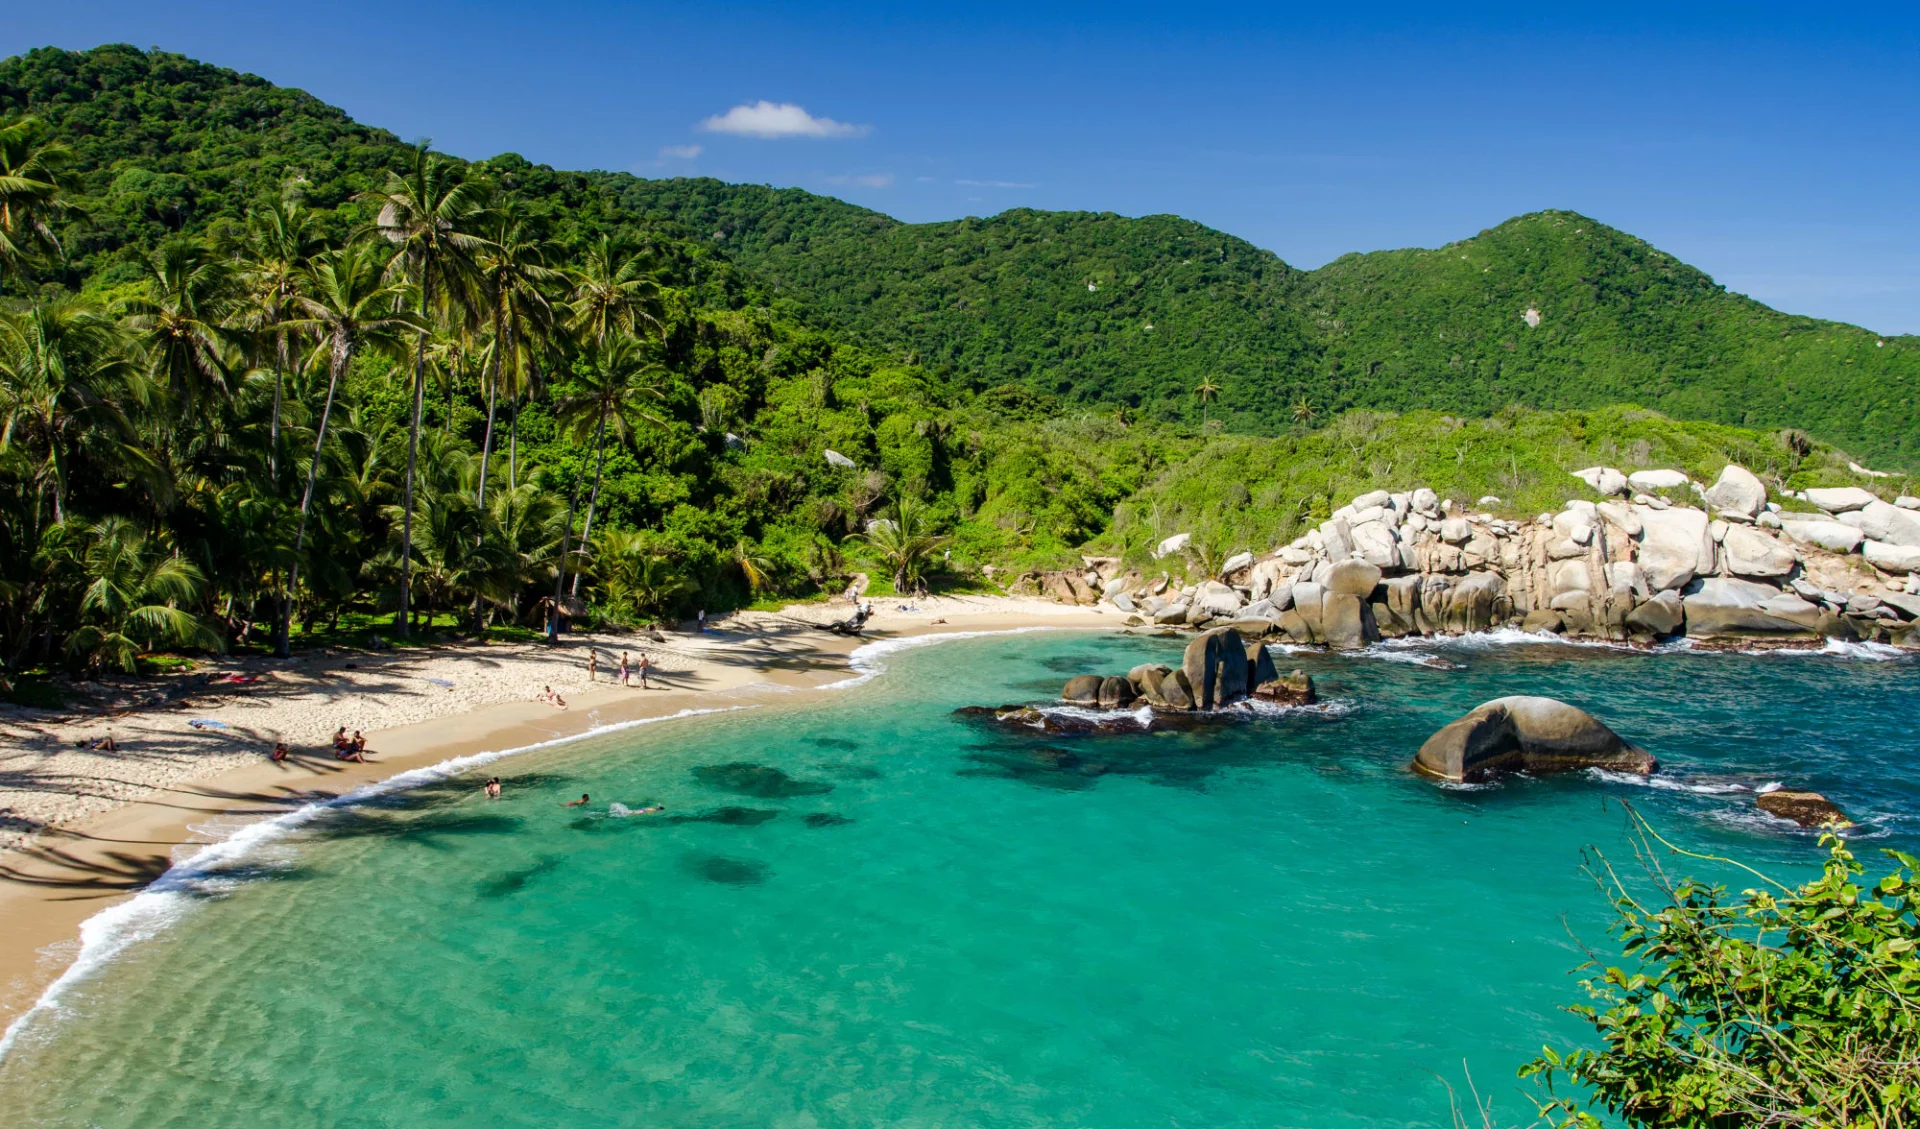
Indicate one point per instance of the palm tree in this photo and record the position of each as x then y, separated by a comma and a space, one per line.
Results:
904, 541
1302, 410
612, 291
619, 372
426, 214
35, 179
347, 297
635, 576
1206, 390
756, 570
274, 248
183, 320
132, 601
65, 382
513, 267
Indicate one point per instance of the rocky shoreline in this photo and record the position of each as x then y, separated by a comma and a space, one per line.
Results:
1647, 557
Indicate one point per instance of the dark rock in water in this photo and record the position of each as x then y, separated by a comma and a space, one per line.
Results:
1070, 664
1260, 669
1082, 690
827, 819
1176, 692
1530, 734
727, 871
1116, 693
514, 881
738, 817
1038, 720
1296, 689
762, 782
1808, 809
833, 743
1215, 664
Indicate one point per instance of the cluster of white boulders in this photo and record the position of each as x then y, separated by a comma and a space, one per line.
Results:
1632, 563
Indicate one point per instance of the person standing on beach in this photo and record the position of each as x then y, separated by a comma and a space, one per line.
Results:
593, 663
626, 671
643, 666
702, 621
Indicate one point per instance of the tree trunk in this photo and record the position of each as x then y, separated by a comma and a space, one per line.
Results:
599, 464
273, 439
566, 533
413, 461
342, 353
493, 396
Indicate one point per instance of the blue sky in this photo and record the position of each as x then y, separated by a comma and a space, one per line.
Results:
1776, 147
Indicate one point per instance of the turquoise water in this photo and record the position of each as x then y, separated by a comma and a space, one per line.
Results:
901, 918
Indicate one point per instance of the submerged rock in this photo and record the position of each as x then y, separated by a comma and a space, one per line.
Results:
727, 871
1524, 733
1808, 809
826, 819
760, 781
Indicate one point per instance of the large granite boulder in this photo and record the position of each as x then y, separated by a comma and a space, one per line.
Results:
1353, 577
1661, 615
1336, 538
1658, 479
1675, 545
1720, 607
1294, 689
1840, 499
1146, 678
1603, 479
1808, 809
1082, 690
1116, 693
1476, 603
1260, 669
1891, 558
1884, 523
1833, 536
1376, 544
1531, 734
1215, 664
1750, 552
1216, 599
1737, 491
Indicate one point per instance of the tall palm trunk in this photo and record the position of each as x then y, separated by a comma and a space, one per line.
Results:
273, 438
593, 497
566, 534
283, 630
401, 619
493, 395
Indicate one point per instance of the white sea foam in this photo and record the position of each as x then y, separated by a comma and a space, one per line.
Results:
166, 899
1833, 649
1143, 717
1670, 783
1336, 707
866, 660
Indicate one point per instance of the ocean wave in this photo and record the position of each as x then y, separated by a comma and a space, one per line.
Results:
166, 899
865, 659
1834, 648
1669, 783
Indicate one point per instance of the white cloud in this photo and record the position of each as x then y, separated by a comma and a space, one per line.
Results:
872, 180
772, 121
995, 184
680, 152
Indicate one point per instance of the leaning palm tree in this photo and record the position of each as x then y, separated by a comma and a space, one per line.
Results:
132, 600
1205, 391
613, 291
273, 251
184, 321
515, 278
905, 541
619, 373
349, 300
36, 180
66, 383
428, 214
755, 569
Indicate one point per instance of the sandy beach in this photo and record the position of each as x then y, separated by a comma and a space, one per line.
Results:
82, 829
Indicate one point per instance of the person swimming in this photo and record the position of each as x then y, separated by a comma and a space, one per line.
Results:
493, 788
584, 798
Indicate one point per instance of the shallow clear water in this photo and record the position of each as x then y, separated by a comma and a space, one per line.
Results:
917, 921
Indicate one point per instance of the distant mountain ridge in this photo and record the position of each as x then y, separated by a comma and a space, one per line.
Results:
1093, 309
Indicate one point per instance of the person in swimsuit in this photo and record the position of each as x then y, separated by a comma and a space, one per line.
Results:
645, 664
626, 670
493, 788
279, 753
593, 663
576, 803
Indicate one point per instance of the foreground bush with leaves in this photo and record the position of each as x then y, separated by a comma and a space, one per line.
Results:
1793, 1006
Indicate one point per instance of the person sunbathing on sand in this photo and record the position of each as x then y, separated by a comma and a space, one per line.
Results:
340, 741
280, 752
548, 696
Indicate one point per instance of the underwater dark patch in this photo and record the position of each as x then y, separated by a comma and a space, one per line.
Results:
726, 871
827, 819
851, 771
514, 881
762, 782
832, 743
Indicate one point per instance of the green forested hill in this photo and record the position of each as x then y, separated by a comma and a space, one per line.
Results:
1092, 308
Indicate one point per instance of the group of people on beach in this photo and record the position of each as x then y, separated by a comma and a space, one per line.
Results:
629, 669
349, 748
